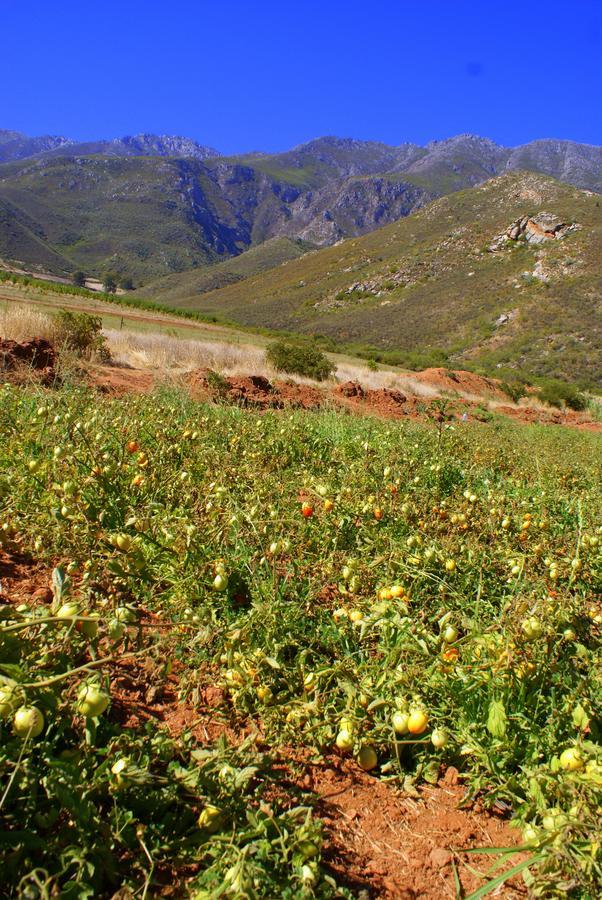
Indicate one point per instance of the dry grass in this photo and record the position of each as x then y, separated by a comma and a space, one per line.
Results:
162, 352
170, 355
20, 323
165, 353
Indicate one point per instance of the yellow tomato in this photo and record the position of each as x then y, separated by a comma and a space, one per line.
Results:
417, 722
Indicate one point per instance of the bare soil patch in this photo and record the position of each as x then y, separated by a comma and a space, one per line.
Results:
461, 382
396, 846
33, 360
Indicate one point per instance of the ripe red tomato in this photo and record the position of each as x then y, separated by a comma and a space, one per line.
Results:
307, 510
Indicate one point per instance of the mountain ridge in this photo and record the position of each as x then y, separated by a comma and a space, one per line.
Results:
459, 277
148, 205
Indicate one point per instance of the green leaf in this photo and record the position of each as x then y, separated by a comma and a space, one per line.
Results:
60, 583
500, 879
496, 719
537, 794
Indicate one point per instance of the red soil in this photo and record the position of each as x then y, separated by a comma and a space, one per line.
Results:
461, 382
34, 359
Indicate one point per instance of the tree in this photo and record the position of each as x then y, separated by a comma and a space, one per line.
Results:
127, 284
79, 279
109, 284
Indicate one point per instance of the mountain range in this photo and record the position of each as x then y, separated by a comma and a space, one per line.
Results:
461, 250
150, 205
506, 275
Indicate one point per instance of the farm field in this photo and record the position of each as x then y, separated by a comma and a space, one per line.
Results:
295, 654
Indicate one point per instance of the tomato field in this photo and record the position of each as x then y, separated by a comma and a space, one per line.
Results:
406, 597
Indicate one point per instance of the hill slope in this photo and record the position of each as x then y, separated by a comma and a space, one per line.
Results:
183, 289
432, 281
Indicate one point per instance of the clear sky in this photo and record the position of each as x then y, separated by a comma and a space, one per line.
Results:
264, 75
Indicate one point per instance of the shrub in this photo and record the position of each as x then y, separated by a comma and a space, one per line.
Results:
79, 279
299, 358
559, 393
515, 389
81, 333
218, 384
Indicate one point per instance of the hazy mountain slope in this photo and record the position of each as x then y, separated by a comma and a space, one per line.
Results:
139, 216
319, 162
183, 288
147, 217
150, 205
429, 281
15, 146
141, 145
578, 164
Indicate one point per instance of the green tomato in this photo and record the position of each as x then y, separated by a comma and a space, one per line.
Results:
28, 722
307, 849
89, 628
91, 701
345, 740
125, 614
439, 738
68, 610
116, 630
532, 628
571, 759
367, 757
450, 634
220, 582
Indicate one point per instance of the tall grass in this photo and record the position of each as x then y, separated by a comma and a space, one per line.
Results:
21, 323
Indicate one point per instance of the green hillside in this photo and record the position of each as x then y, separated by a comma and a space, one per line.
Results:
429, 282
22, 241
136, 216
183, 289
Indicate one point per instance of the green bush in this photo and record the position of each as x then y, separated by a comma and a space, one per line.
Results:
299, 358
559, 393
81, 333
515, 389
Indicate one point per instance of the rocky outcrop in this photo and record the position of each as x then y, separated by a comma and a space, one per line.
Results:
536, 229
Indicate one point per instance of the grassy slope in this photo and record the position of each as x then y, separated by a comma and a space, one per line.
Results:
21, 240
183, 288
421, 266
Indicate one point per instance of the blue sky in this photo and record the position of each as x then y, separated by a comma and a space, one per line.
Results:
268, 75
